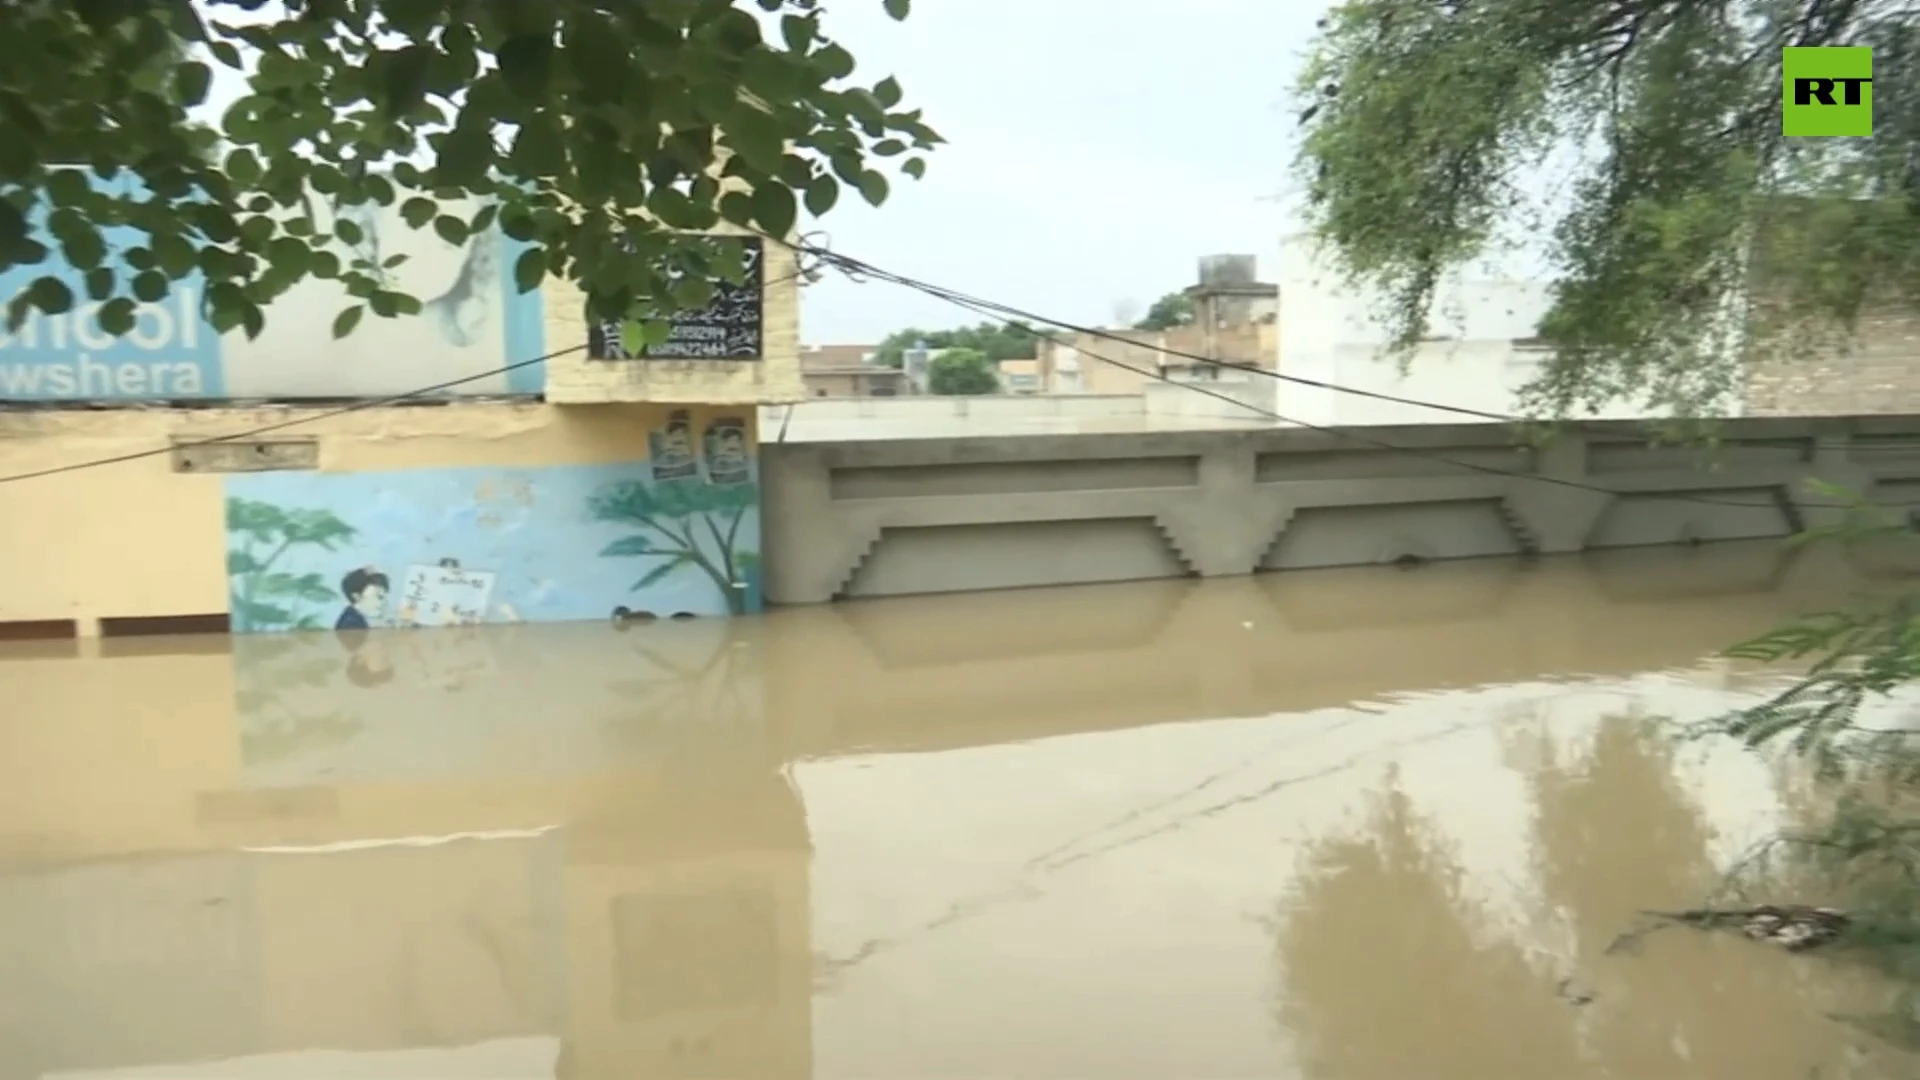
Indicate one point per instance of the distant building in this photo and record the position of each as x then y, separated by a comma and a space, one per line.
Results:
1482, 345
841, 371
916, 364
1235, 322
1020, 377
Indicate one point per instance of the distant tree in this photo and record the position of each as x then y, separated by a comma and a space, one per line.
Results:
1171, 310
996, 341
963, 371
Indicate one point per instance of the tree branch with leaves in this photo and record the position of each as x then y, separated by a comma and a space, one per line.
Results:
597, 134
1689, 232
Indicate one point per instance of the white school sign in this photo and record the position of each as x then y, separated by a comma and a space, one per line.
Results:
474, 325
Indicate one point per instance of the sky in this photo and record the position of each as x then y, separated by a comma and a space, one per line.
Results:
1095, 152
1091, 159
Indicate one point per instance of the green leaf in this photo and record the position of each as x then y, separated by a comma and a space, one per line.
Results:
50, 295
519, 225
462, 156
84, 247
451, 229
799, 32
873, 187
190, 82
345, 322
175, 255
403, 75
822, 193
898, 9
99, 283
150, 286
225, 53
637, 336
252, 319
756, 135
834, 62
526, 63
529, 269
417, 211
737, 207
914, 167
539, 148
774, 209
289, 256
116, 316
888, 92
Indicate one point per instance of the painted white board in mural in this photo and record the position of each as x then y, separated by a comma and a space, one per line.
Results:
444, 595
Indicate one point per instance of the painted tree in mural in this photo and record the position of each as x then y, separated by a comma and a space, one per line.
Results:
687, 523
267, 599
597, 133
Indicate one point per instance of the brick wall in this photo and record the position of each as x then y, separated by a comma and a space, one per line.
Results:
574, 379
1876, 371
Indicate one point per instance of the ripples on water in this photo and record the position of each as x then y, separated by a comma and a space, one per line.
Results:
1328, 826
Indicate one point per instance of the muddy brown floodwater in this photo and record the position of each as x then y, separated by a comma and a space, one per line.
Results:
1333, 826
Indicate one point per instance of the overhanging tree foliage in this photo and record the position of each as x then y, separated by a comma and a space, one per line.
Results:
1694, 236
1689, 232
592, 130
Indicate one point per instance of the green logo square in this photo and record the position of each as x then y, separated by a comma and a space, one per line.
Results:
1826, 92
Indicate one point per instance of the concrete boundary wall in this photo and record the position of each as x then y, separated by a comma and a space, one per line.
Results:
879, 517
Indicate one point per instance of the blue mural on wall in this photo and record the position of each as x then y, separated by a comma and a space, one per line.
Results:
475, 325
678, 534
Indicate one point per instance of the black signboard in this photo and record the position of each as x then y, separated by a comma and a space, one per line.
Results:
729, 328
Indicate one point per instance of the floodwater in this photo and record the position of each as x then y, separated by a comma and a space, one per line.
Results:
1330, 826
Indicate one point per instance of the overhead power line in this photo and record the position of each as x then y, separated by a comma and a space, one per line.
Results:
327, 414
859, 270
1012, 316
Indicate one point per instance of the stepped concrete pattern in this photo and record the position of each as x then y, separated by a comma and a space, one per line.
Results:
878, 517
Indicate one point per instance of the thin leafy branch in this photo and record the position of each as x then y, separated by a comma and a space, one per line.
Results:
596, 136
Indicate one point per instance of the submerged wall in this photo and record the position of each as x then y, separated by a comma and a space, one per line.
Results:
480, 513
851, 517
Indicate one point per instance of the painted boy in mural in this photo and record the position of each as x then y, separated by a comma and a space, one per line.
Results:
366, 592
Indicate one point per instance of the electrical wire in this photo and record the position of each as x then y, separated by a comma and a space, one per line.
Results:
1012, 316
860, 271
267, 429
357, 406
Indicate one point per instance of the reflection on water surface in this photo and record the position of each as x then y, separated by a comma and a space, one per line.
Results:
1356, 824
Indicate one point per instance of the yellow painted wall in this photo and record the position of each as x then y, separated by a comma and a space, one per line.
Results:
136, 538
773, 379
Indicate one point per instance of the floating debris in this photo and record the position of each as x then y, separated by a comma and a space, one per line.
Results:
1793, 927
1574, 992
